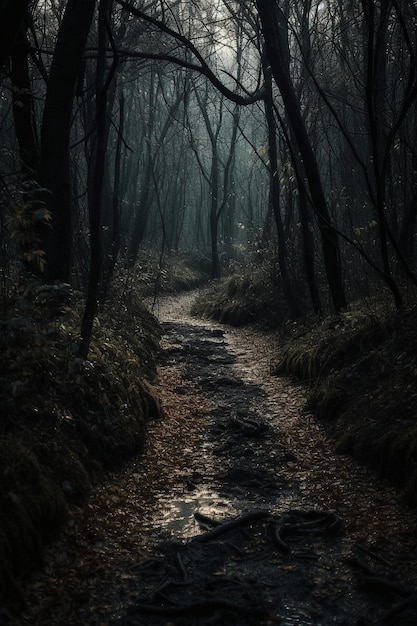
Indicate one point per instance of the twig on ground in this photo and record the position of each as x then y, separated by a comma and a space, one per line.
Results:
180, 564
369, 552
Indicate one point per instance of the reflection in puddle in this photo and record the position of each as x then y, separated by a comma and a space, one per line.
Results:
176, 515
295, 616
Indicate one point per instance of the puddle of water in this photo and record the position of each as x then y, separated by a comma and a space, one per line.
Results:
294, 616
176, 515
176, 520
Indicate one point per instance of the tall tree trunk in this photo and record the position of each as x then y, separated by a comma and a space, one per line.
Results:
55, 136
12, 13
409, 221
214, 205
375, 57
23, 115
112, 256
308, 245
102, 87
274, 193
274, 27
217, 207
143, 207
142, 211
23, 112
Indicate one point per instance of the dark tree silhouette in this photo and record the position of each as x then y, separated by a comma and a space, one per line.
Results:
275, 28
12, 14
55, 173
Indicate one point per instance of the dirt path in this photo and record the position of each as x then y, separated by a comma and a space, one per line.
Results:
314, 539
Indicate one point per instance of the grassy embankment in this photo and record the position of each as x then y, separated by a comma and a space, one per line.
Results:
360, 369
65, 421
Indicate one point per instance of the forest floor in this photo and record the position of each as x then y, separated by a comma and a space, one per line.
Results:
314, 538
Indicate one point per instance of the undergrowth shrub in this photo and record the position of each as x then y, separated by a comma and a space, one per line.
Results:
312, 352
64, 419
27, 220
172, 273
251, 294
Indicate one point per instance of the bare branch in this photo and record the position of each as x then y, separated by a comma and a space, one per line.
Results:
200, 67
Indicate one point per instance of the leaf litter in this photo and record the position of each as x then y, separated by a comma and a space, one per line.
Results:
134, 553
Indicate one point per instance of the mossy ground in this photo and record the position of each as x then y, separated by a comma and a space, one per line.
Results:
65, 420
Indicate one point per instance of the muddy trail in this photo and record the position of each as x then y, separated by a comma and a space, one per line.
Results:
238, 512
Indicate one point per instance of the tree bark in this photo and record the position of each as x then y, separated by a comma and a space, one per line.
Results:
308, 245
112, 256
23, 113
274, 194
96, 258
214, 220
12, 13
55, 136
376, 60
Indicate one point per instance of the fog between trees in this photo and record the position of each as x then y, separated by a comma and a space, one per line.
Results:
234, 129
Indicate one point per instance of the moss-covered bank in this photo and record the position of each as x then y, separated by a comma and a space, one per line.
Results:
361, 372
250, 295
65, 420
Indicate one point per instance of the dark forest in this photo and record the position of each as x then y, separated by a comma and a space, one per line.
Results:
208, 240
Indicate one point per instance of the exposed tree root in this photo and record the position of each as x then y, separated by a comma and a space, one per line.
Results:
225, 527
205, 519
316, 523
371, 553
180, 565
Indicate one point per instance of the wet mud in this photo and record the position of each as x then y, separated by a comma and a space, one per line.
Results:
273, 562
